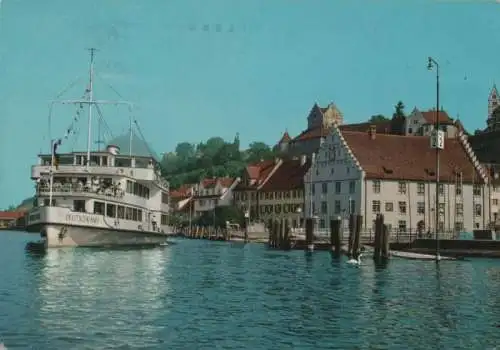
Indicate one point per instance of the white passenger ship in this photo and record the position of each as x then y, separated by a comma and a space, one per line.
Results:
99, 198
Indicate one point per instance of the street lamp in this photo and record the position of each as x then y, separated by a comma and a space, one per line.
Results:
437, 142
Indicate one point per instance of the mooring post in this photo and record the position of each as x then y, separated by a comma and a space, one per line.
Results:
352, 233
310, 234
387, 242
357, 235
378, 238
276, 233
286, 235
335, 240
270, 233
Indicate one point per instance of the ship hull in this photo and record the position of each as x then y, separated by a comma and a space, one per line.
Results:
58, 235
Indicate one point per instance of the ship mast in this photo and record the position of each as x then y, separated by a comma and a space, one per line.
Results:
91, 102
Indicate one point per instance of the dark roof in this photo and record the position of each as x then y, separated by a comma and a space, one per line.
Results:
409, 158
486, 146
430, 117
289, 176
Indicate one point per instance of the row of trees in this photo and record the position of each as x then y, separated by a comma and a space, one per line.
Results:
190, 163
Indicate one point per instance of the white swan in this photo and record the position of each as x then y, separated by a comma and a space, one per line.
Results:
353, 261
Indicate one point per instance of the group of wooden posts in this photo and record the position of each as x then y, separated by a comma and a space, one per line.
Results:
280, 237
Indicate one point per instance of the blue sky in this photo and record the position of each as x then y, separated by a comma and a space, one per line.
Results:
203, 68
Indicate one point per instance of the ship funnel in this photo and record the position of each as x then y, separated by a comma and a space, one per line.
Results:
114, 150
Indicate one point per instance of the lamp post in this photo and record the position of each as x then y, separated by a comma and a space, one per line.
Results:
437, 142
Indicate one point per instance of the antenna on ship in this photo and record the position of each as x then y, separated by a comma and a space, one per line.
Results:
90, 102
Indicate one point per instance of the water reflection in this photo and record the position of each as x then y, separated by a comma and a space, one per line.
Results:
85, 293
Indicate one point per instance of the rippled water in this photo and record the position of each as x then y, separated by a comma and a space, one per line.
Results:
206, 295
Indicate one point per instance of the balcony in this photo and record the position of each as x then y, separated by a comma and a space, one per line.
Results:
140, 174
111, 192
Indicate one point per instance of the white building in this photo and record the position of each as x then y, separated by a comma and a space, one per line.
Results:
367, 173
212, 193
421, 123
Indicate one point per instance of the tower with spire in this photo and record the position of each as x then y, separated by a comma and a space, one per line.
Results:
493, 103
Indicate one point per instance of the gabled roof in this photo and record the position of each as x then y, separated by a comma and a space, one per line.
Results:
410, 158
182, 192
212, 182
430, 117
289, 176
285, 138
257, 173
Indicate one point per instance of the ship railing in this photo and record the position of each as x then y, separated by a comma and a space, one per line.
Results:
109, 192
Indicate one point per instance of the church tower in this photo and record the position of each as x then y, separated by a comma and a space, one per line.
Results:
493, 101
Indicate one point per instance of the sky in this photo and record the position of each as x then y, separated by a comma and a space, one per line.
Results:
251, 67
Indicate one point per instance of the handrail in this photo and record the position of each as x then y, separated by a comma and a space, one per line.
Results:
70, 188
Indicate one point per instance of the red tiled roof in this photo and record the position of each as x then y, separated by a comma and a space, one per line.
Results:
208, 183
288, 176
310, 134
226, 182
11, 215
430, 117
382, 127
212, 182
182, 192
257, 172
409, 158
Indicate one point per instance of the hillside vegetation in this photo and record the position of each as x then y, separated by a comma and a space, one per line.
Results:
190, 163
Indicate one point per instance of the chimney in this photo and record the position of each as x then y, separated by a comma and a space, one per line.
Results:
372, 131
303, 159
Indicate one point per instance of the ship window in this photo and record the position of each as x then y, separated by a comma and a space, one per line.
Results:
128, 213
139, 215
104, 161
99, 208
130, 187
134, 214
111, 210
79, 205
121, 212
136, 188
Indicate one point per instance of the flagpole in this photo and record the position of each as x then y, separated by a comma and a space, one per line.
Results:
51, 177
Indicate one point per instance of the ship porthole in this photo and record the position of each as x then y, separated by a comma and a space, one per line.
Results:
43, 234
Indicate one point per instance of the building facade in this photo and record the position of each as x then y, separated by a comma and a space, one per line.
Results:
420, 123
212, 193
368, 173
273, 190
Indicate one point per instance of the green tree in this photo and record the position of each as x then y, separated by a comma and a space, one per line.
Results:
214, 158
378, 118
399, 110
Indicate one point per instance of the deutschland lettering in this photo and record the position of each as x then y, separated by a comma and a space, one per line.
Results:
82, 219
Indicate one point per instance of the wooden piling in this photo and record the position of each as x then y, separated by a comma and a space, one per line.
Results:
270, 232
357, 235
286, 235
352, 233
386, 239
276, 230
335, 239
310, 234
378, 237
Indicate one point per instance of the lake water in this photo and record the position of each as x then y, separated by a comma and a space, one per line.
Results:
210, 295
